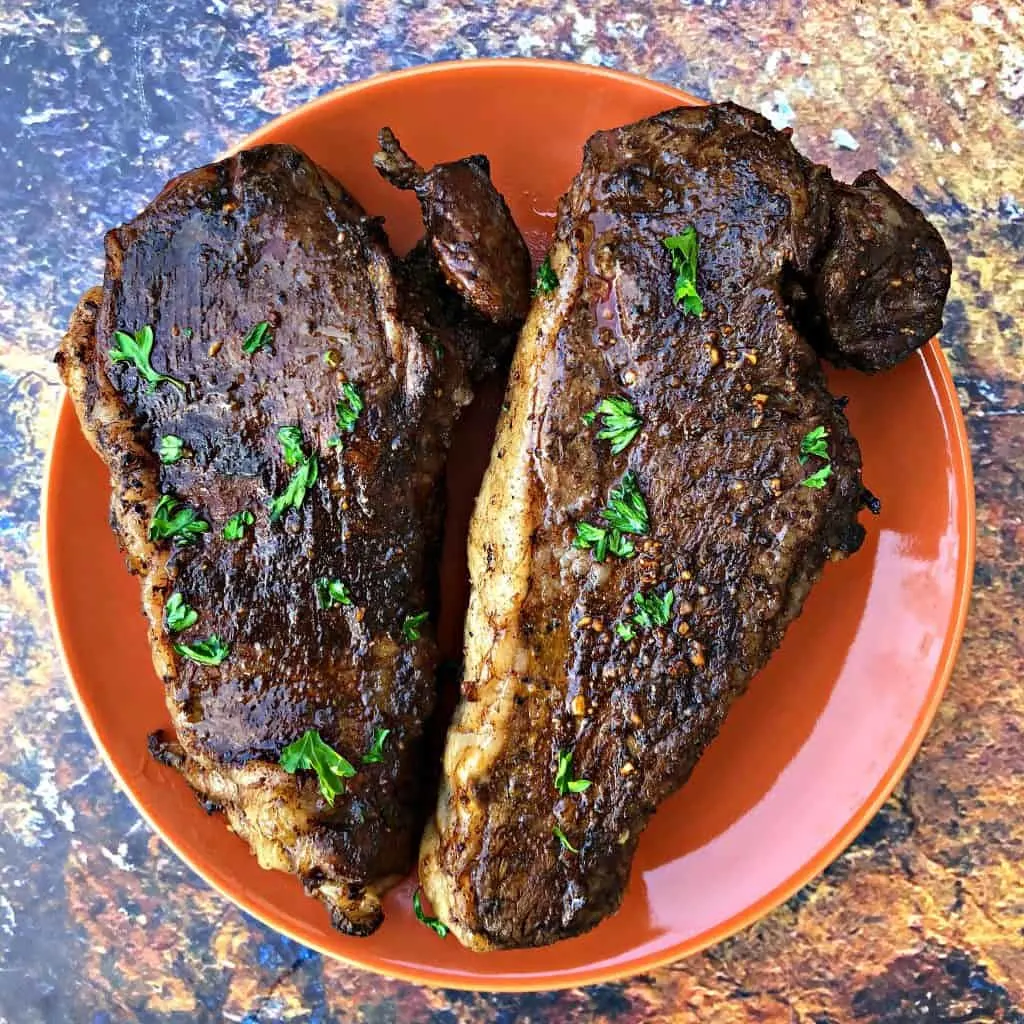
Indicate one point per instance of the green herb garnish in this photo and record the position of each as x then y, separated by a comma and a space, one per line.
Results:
178, 615
411, 625
621, 423
627, 510
815, 442
376, 752
817, 480
626, 513
652, 610
234, 528
205, 652
347, 411
311, 753
258, 336
564, 840
137, 349
564, 782
301, 480
434, 923
625, 630
291, 445
547, 279
171, 449
174, 521
684, 262
331, 592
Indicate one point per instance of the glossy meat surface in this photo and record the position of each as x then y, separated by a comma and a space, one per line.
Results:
266, 237
559, 657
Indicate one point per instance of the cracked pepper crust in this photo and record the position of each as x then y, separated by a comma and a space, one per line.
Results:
726, 400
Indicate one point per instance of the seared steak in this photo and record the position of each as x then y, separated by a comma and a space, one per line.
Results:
273, 393
667, 483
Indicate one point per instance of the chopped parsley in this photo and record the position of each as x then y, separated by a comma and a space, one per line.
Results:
301, 480
235, 527
816, 480
376, 752
174, 521
311, 753
620, 422
347, 412
626, 512
433, 923
547, 279
331, 592
564, 782
205, 652
652, 610
411, 625
684, 263
815, 443
564, 840
178, 615
625, 631
137, 349
259, 336
171, 450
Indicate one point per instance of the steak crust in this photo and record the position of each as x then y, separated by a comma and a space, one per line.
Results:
737, 536
267, 236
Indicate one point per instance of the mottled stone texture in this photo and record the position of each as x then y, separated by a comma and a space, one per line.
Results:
923, 918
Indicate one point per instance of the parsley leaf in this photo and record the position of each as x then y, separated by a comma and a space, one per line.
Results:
376, 752
234, 528
174, 521
625, 630
171, 449
259, 335
205, 652
310, 752
547, 279
411, 625
434, 923
178, 615
564, 782
301, 480
626, 513
814, 443
684, 263
347, 411
652, 610
627, 510
817, 480
291, 444
621, 423
331, 592
564, 840
137, 349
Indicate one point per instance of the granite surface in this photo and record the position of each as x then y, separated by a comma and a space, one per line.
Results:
923, 918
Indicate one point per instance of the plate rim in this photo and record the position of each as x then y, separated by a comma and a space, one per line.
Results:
951, 415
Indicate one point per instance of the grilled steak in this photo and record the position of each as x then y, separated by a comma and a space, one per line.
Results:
632, 569
287, 573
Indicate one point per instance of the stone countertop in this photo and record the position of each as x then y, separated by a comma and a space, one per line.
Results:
922, 919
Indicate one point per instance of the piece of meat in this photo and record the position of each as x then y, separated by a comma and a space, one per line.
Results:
268, 238
626, 653
480, 251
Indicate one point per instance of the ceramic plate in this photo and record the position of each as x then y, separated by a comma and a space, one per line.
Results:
804, 759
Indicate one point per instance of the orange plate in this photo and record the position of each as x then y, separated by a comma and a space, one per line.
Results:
804, 760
